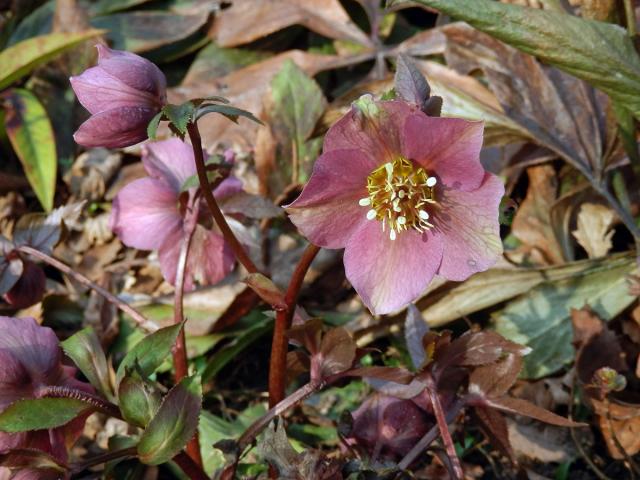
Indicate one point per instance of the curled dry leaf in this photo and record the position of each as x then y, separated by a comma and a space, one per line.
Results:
594, 231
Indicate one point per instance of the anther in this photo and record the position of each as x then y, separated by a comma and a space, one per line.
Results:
431, 181
364, 202
371, 214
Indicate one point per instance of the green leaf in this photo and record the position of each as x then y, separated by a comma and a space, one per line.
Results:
32, 138
86, 352
179, 116
229, 111
541, 318
149, 353
152, 128
194, 182
139, 400
21, 58
597, 52
38, 22
294, 107
40, 413
174, 424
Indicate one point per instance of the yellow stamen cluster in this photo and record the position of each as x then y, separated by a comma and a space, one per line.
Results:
399, 194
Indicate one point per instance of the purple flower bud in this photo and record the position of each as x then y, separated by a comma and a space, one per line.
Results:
122, 93
31, 359
388, 426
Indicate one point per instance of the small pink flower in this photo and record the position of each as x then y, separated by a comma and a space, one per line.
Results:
406, 196
388, 426
152, 214
122, 93
30, 361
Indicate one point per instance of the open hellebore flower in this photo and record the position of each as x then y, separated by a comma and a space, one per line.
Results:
30, 361
153, 214
406, 196
388, 426
122, 93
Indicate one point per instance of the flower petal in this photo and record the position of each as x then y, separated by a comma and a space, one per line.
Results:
468, 223
99, 91
115, 128
133, 70
446, 147
169, 160
228, 187
389, 274
34, 346
208, 262
145, 213
327, 211
378, 137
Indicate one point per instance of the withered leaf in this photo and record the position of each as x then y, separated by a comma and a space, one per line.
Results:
247, 20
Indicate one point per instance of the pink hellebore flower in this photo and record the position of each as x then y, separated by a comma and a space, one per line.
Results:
152, 214
406, 196
31, 361
122, 93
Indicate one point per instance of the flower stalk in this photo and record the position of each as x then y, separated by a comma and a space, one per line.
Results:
278, 360
205, 186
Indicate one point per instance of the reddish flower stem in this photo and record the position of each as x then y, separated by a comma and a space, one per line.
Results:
444, 431
180, 361
278, 360
205, 186
137, 317
189, 467
428, 438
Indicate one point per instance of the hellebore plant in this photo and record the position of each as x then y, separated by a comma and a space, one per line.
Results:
406, 196
30, 365
153, 213
122, 93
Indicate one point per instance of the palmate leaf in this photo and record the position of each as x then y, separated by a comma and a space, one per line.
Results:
597, 52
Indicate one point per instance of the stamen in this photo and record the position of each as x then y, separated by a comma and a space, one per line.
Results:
399, 193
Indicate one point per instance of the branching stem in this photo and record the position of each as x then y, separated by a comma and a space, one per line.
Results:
278, 360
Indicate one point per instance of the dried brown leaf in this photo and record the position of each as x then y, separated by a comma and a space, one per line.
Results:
247, 20
594, 231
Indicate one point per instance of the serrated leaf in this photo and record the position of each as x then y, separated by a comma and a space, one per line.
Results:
599, 53
179, 116
86, 352
139, 400
23, 458
150, 352
40, 413
152, 128
541, 318
32, 138
174, 424
194, 182
229, 111
21, 58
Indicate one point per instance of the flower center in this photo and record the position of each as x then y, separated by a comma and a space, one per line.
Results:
399, 195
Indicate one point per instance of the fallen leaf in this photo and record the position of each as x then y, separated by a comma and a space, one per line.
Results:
594, 232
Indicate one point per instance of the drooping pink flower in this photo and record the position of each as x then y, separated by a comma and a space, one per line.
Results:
387, 426
153, 214
122, 93
406, 196
31, 361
